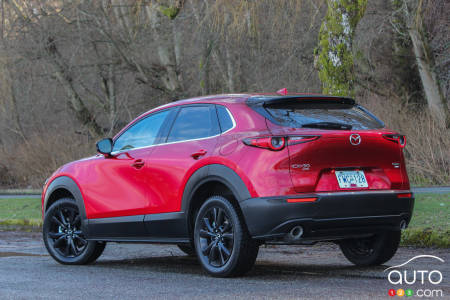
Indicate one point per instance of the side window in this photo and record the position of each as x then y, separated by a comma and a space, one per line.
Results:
226, 123
143, 133
194, 122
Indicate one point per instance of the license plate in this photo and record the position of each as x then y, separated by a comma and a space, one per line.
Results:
351, 179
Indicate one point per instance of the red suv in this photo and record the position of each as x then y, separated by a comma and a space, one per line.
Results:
220, 175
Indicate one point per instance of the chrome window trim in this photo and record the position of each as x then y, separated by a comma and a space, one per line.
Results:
170, 143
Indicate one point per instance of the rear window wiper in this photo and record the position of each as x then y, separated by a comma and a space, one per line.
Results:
328, 125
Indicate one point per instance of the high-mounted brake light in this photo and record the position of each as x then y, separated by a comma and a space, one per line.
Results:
300, 139
396, 138
283, 92
274, 143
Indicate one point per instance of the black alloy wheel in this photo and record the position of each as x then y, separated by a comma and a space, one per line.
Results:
216, 237
222, 242
63, 235
374, 250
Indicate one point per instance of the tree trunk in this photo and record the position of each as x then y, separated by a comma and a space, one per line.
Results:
334, 57
228, 56
8, 94
430, 84
204, 67
166, 51
432, 90
82, 113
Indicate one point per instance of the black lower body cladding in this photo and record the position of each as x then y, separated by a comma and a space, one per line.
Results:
332, 216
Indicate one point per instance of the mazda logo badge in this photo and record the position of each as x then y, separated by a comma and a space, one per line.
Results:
355, 139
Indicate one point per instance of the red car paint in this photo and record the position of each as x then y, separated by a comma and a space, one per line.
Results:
151, 180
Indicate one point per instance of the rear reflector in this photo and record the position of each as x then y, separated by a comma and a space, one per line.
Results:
405, 195
298, 200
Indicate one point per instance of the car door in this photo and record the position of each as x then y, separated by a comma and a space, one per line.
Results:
190, 141
118, 185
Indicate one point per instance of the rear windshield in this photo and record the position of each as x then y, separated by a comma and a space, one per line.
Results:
307, 114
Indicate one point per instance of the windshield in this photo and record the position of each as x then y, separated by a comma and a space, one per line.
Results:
324, 115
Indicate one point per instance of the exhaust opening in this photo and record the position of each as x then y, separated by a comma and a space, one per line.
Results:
296, 232
403, 225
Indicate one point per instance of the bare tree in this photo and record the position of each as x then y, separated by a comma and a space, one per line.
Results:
410, 11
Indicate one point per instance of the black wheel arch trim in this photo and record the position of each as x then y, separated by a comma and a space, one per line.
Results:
214, 172
68, 184
209, 173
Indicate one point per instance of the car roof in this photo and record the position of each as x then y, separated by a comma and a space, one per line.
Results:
245, 98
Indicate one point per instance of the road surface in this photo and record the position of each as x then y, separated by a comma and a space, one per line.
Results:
137, 271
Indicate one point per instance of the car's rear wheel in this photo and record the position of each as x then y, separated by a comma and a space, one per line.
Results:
375, 250
222, 242
64, 238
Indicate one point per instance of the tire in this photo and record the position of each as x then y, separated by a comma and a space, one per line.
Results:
371, 251
222, 242
64, 238
187, 249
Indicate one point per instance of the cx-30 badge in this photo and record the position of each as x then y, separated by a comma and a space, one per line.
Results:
355, 139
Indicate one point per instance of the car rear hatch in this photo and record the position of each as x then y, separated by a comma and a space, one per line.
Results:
335, 144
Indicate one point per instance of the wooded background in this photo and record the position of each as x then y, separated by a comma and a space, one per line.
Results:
74, 71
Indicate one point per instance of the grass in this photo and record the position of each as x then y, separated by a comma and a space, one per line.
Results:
20, 212
429, 227
430, 224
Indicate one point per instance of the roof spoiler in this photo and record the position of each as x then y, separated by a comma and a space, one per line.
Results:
267, 100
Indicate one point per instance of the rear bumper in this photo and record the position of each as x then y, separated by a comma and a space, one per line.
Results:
332, 216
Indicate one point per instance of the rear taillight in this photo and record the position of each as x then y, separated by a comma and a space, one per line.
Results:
396, 138
274, 143
300, 139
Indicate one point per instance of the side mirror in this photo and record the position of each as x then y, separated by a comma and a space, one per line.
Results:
105, 146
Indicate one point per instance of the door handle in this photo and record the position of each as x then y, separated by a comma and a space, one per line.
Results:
196, 155
138, 163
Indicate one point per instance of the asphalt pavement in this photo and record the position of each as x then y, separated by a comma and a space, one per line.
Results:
142, 271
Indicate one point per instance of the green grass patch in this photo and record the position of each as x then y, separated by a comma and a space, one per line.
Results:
26, 208
431, 211
430, 224
429, 227
20, 213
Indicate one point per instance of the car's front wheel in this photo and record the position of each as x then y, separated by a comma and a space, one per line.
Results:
375, 250
222, 242
63, 236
